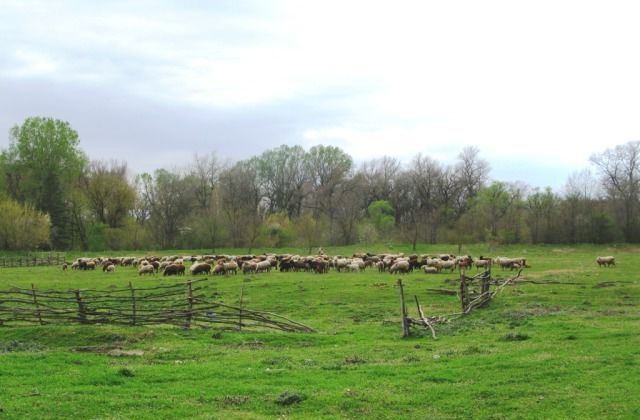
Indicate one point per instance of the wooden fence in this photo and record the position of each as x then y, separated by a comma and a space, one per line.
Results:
181, 304
474, 292
40, 259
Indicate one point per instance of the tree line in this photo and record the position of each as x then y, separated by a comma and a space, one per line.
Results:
53, 196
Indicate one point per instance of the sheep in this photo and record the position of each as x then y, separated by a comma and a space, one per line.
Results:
447, 265
606, 261
109, 268
429, 270
232, 266
249, 267
399, 267
353, 266
146, 269
380, 266
174, 269
263, 266
201, 268
64, 267
484, 263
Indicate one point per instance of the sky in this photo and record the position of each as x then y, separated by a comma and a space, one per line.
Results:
537, 87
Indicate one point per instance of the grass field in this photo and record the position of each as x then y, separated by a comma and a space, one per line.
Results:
550, 350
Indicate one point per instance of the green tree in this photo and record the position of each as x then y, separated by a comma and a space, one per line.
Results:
21, 226
383, 216
43, 162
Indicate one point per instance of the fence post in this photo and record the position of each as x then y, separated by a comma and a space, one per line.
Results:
403, 310
82, 316
484, 291
35, 302
190, 305
463, 292
133, 303
240, 315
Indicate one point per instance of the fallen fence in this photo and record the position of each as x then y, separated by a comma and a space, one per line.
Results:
474, 292
35, 260
182, 304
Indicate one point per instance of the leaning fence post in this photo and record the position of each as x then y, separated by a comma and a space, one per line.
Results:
81, 311
190, 304
133, 304
35, 302
463, 292
403, 310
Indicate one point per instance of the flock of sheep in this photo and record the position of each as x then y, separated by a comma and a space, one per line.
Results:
321, 263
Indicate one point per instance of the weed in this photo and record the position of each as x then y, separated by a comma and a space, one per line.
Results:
289, 398
515, 337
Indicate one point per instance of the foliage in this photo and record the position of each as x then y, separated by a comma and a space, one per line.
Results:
43, 162
22, 226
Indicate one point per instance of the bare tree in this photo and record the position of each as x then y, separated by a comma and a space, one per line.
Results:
379, 176
620, 171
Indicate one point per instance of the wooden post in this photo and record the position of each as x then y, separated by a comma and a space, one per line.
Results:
35, 302
82, 316
240, 315
484, 290
133, 304
403, 311
190, 304
463, 292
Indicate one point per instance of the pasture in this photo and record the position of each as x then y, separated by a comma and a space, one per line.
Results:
564, 345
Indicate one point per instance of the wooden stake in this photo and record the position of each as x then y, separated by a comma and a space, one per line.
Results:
403, 309
190, 304
424, 318
133, 303
81, 313
463, 291
240, 313
35, 302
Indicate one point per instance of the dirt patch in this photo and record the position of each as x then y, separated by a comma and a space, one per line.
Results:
604, 284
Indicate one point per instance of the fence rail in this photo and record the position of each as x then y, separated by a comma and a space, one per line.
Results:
181, 304
51, 258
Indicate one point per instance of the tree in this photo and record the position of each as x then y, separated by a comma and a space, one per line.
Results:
22, 226
109, 193
383, 216
380, 177
472, 173
620, 171
540, 206
241, 203
328, 168
281, 174
43, 162
169, 196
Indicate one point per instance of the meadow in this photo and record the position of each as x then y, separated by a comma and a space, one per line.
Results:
564, 344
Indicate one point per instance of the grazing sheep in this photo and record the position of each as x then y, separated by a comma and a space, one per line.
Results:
446, 265
174, 270
429, 270
606, 261
64, 267
201, 268
249, 267
109, 268
401, 266
232, 266
146, 269
263, 266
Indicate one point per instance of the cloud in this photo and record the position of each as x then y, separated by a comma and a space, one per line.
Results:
546, 84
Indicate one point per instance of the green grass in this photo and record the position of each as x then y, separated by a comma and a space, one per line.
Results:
552, 350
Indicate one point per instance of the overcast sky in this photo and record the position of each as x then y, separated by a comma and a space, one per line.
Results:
536, 86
